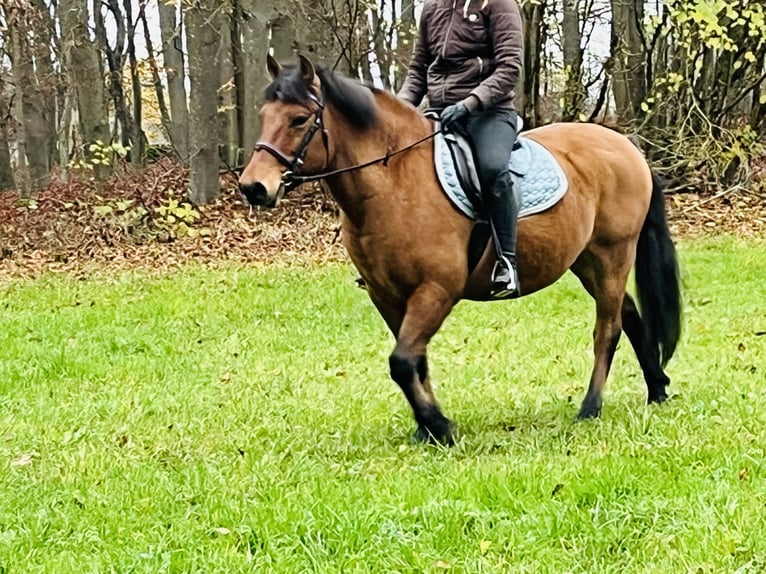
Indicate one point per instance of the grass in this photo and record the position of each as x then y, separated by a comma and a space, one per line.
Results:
242, 420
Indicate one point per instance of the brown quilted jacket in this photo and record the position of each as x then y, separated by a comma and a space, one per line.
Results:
466, 50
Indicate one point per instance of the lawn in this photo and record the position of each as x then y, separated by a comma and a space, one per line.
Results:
242, 420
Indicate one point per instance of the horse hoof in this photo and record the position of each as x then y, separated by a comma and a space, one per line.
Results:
437, 434
588, 412
658, 398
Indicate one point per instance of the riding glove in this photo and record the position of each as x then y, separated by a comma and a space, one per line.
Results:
453, 114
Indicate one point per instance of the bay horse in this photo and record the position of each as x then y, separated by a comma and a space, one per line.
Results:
409, 243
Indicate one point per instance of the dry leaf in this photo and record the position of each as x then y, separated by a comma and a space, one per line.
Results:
24, 459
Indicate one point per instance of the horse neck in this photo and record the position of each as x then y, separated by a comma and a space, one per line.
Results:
398, 126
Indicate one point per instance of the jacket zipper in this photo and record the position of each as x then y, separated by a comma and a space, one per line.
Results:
446, 41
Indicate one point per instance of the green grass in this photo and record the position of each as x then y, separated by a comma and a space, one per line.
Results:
242, 420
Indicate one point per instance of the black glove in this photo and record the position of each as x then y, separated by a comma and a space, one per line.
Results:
453, 114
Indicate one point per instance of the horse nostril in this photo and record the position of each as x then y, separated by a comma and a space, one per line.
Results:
255, 193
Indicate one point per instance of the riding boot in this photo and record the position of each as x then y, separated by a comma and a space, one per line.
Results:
504, 202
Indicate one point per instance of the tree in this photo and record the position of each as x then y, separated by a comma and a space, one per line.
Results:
115, 58
6, 173
31, 113
85, 75
574, 94
173, 58
528, 96
628, 58
202, 38
227, 92
251, 65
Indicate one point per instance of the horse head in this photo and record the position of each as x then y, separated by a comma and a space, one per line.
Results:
291, 119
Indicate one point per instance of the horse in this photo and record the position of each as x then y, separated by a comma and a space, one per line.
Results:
409, 244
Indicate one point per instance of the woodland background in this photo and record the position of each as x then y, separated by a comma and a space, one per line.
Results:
124, 116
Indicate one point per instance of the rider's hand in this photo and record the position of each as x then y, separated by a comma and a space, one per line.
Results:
453, 114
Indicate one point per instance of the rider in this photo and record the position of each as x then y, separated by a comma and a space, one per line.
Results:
468, 59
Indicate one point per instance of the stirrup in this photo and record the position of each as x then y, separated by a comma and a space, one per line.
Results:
504, 287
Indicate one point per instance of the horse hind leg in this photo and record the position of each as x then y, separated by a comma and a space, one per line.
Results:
604, 275
648, 355
426, 310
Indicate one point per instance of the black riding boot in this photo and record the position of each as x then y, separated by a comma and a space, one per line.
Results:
504, 203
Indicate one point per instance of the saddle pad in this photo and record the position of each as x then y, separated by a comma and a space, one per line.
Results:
533, 168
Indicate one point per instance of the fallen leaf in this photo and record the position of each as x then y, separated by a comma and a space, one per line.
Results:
743, 474
484, 546
24, 459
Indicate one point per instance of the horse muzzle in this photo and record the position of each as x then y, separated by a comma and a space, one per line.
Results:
259, 195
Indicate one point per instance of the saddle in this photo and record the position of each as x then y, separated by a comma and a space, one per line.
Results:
534, 170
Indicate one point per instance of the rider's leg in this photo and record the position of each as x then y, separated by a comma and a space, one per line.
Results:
493, 134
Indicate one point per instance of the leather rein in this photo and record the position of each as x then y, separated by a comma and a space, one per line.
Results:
291, 178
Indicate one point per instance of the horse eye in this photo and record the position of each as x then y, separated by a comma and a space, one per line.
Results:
298, 121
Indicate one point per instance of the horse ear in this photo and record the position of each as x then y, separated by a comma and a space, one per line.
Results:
307, 70
274, 66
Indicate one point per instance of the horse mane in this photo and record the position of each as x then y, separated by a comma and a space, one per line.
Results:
354, 100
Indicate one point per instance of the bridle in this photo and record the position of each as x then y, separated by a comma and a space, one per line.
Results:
291, 177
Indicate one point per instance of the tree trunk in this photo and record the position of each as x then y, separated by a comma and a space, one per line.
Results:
533, 14
159, 89
251, 66
574, 96
629, 58
48, 79
23, 180
381, 49
203, 42
85, 75
116, 61
406, 34
137, 136
318, 24
173, 57
227, 92
283, 35
6, 173
30, 106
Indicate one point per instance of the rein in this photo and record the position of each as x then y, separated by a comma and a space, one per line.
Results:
295, 179
292, 178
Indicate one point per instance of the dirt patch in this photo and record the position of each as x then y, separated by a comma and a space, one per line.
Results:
142, 220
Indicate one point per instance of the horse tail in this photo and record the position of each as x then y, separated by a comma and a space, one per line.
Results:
657, 278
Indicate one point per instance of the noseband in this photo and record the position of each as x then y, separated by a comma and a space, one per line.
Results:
295, 163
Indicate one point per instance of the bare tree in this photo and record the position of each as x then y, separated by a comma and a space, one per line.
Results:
251, 66
173, 58
137, 135
159, 89
528, 97
85, 75
203, 41
31, 114
227, 91
628, 58
6, 173
574, 95
115, 58
49, 79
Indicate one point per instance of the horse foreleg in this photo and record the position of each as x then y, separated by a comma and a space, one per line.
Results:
648, 355
426, 310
